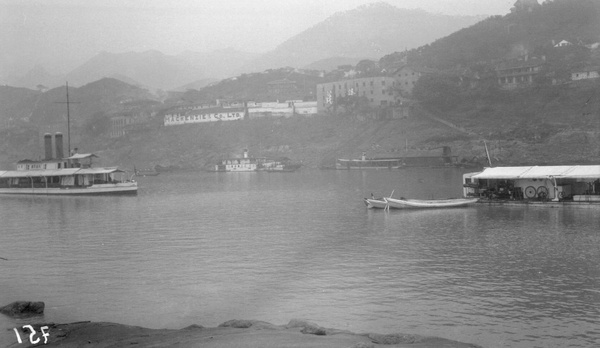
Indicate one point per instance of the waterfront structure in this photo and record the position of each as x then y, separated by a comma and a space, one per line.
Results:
379, 91
407, 76
288, 108
586, 73
516, 73
563, 43
282, 89
180, 117
233, 111
573, 183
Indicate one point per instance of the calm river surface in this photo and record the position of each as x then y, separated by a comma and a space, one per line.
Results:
205, 248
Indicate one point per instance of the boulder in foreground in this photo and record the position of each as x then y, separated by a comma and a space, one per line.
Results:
23, 309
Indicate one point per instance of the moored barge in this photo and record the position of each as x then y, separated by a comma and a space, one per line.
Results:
567, 185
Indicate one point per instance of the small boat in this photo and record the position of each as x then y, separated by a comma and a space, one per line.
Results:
404, 203
376, 203
145, 172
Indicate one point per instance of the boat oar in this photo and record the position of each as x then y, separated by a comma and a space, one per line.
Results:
387, 204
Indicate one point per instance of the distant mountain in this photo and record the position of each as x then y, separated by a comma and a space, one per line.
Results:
218, 64
369, 31
41, 109
38, 76
151, 69
197, 85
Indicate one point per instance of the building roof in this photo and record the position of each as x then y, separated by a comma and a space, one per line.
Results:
540, 172
520, 63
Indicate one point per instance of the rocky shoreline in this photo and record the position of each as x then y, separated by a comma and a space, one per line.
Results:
233, 333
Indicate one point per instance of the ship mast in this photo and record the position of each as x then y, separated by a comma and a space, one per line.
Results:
68, 119
68, 122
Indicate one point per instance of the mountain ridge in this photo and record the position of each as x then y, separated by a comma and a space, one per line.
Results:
366, 32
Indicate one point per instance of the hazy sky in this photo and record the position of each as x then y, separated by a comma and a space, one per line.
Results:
60, 33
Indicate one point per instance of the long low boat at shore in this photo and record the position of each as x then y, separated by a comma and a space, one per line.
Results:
404, 203
73, 175
444, 160
376, 203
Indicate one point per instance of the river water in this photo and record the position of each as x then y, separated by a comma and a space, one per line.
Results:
205, 248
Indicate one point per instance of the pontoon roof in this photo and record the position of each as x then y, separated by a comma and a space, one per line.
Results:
537, 172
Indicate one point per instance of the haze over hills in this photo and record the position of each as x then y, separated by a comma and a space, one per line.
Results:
150, 69
544, 122
369, 31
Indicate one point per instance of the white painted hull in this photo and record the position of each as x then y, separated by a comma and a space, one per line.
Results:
103, 189
428, 204
374, 203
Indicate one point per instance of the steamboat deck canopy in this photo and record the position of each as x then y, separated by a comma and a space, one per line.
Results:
57, 172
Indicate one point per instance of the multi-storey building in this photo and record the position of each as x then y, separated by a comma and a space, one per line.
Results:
379, 91
518, 72
406, 76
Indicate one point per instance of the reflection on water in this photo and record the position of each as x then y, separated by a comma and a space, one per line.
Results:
208, 247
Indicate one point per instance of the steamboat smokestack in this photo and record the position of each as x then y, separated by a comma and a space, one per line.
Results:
47, 146
58, 142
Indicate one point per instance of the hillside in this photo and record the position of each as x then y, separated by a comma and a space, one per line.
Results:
369, 31
318, 141
516, 34
543, 123
254, 86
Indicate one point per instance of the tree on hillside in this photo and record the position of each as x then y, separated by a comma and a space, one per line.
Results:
354, 105
96, 125
367, 68
438, 90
